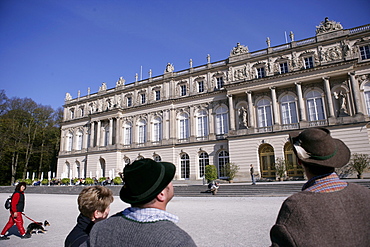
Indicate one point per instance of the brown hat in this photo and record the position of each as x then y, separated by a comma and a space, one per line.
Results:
316, 146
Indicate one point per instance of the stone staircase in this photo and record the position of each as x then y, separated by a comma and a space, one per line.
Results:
194, 190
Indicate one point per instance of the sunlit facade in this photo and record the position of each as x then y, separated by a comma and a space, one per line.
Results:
237, 110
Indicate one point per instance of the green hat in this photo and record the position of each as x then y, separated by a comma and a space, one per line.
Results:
144, 179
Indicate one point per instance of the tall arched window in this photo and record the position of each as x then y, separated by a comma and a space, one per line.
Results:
183, 126
69, 141
222, 126
78, 170
157, 129
267, 161
264, 113
107, 135
223, 159
141, 131
202, 123
367, 97
315, 106
185, 166
79, 140
203, 162
288, 110
127, 133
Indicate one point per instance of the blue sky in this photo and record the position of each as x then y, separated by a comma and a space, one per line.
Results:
50, 47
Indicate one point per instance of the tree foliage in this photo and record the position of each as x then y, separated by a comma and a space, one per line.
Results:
30, 135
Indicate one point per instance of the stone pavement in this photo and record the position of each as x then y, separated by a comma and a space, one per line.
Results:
211, 221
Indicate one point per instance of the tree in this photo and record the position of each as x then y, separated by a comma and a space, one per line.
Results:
210, 173
231, 170
360, 162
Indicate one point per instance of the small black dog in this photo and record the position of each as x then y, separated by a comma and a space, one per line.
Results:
37, 227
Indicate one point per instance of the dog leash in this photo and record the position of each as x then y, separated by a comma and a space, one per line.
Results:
31, 219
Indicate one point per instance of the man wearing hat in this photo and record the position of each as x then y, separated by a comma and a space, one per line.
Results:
328, 211
148, 188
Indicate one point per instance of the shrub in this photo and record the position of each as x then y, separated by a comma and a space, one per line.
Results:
210, 173
89, 181
117, 180
45, 181
360, 162
27, 181
231, 170
65, 181
102, 179
280, 167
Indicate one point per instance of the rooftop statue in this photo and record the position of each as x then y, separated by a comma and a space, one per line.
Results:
239, 49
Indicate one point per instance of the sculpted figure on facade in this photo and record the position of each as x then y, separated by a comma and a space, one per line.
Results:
239, 49
333, 53
328, 26
68, 97
291, 35
295, 60
342, 104
169, 68
346, 49
243, 117
241, 73
103, 87
120, 82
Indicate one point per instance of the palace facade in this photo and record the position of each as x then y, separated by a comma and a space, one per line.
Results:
239, 110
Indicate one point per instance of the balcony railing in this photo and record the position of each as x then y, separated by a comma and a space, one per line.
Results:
264, 129
323, 122
290, 126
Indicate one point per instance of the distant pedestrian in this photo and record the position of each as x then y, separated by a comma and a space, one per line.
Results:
94, 205
327, 212
18, 202
252, 175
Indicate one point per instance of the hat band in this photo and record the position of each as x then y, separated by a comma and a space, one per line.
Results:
324, 157
154, 186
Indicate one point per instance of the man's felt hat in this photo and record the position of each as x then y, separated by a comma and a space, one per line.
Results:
317, 147
144, 179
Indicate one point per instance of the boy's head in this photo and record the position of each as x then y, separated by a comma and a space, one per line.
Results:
94, 201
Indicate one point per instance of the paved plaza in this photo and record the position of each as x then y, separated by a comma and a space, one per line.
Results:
211, 221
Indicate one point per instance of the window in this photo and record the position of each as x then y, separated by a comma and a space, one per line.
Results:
183, 90
72, 113
185, 166
142, 131
222, 126
261, 72
308, 62
157, 95
284, 68
127, 133
129, 101
183, 126
220, 82
288, 110
223, 159
107, 135
315, 106
157, 129
203, 162
264, 113
202, 123
200, 86
69, 142
365, 52
367, 97
143, 98
82, 111
79, 140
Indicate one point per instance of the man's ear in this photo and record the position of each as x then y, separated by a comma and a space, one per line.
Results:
97, 214
162, 196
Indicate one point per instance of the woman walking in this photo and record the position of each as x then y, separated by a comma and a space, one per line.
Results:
16, 209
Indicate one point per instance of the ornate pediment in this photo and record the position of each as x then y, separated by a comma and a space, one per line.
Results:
239, 49
328, 26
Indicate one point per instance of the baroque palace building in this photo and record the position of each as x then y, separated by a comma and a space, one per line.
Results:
239, 110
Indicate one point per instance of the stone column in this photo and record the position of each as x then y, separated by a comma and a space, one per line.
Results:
85, 137
328, 96
173, 126
251, 110
274, 106
356, 93
92, 134
211, 122
301, 106
231, 112
110, 141
98, 134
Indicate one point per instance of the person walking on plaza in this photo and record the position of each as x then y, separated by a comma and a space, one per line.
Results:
328, 211
252, 175
94, 205
16, 209
148, 188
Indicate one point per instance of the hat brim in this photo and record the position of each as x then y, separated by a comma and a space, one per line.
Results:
169, 170
340, 159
